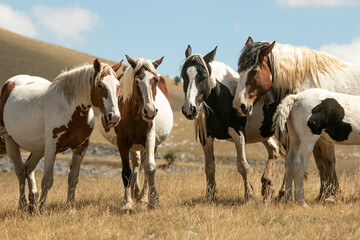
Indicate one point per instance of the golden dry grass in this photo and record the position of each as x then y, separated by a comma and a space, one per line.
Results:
184, 213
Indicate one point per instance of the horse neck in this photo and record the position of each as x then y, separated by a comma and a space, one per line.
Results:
224, 74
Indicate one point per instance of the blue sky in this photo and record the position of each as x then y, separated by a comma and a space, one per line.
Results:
151, 29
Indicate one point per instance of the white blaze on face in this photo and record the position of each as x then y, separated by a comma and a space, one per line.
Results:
191, 91
239, 97
111, 102
146, 91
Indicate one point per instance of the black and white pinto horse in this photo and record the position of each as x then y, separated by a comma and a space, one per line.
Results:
209, 87
309, 116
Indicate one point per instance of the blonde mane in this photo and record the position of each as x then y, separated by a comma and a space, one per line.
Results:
291, 67
76, 83
127, 80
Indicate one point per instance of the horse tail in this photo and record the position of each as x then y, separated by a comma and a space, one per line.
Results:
279, 121
200, 126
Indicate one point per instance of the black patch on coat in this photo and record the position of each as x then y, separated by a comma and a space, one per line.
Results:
271, 101
328, 116
221, 114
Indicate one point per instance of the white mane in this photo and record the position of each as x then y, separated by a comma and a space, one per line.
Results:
127, 80
293, 65
76, 83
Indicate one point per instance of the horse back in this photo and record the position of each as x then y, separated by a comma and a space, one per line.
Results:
163, 87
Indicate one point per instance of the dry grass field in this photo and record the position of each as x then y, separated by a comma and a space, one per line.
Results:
184, 213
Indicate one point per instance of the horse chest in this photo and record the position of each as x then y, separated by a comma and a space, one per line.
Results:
133, 132
75, 132
221, 115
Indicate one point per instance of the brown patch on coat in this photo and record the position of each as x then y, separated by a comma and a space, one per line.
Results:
258, 81
5, 93
29, 83
163, 87
98, 92
75, 133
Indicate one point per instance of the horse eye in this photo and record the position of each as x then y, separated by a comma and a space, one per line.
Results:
99, 85
137, 81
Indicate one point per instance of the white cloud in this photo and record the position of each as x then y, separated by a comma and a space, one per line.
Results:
348, 52
16, 21
315, 3
67, 23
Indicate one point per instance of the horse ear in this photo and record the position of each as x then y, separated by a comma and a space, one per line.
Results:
120, 76
210, 56
249, 41
266, 50
97, 65
131, 61
188, 51
157, 62
117, 66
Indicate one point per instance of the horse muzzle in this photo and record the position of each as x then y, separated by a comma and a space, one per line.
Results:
243, 110
190, 112
112, 119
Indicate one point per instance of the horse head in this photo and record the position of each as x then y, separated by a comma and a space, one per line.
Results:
196, 73
255, 75
144, 85
104, 91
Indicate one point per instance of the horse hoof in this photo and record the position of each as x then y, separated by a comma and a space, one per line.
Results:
127, 208
154, 204
330, 200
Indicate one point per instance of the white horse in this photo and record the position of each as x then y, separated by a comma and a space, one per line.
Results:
46, 118
310, 115
285, 69
147, 120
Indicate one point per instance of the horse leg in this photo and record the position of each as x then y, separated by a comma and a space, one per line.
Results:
126, 176
150, 168
300, 165
136, 163
48, 177
73, 177
324, 154
145, 189
272, 148
242, 164
13, 151
30, 165
208, 148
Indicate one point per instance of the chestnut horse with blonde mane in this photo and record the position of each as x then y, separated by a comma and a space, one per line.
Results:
147, 120
47, 118
284, 69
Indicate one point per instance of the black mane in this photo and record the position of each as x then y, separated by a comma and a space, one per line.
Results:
249, 55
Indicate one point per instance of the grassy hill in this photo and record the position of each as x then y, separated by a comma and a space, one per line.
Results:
22, 55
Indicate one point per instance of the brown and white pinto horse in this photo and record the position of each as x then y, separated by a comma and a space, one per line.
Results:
284, 69
147, 120
46, 118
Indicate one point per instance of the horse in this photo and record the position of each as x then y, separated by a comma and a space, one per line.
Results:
309, 116
147, 120
285, 69
209, 87
47, 118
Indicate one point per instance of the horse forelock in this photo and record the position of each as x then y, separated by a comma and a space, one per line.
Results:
199, 59
291, 67
250, 55
126, 82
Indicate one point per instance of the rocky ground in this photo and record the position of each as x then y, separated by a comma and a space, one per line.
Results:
109, 151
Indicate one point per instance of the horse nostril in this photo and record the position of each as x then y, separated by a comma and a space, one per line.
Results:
110, 116
243, 107
145, 111
156, 110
